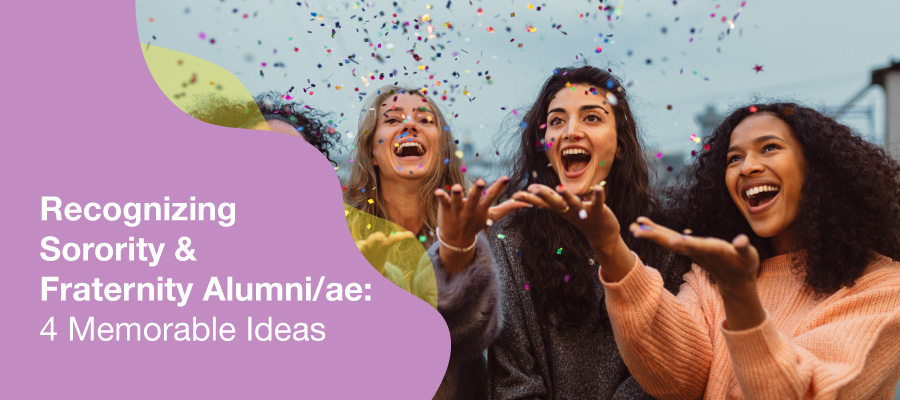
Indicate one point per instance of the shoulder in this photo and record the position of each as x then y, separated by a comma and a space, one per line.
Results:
881, 273
876, 292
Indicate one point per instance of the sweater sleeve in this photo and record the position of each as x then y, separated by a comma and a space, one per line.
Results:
470, 300
512, 368
664, 340
850, 350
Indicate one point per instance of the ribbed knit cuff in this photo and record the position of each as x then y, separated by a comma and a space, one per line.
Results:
636, 294
757, 354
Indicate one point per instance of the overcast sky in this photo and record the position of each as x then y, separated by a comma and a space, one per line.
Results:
667, 53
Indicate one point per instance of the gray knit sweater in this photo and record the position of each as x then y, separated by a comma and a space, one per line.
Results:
470, 304
534, 359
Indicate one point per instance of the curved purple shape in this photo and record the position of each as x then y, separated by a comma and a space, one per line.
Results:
86, 122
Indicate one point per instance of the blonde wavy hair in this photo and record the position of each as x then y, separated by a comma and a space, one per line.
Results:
364, 175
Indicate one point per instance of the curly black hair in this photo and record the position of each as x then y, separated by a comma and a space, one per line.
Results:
850, 202
562, 279
306, 120
224, 111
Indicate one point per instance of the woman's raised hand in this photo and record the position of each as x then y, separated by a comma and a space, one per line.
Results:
377, 245
593, 218
732, 264
461, 218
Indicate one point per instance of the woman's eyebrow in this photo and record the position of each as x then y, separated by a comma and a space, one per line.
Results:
594, 106
757, 140
400, 109
583, 108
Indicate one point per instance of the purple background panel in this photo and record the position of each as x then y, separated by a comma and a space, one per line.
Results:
85, 121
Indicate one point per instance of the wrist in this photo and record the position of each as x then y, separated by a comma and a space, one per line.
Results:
616, 261
462, 245
738, 291
607, 249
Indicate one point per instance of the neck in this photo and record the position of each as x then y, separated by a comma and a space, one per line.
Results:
783, 243
401, 203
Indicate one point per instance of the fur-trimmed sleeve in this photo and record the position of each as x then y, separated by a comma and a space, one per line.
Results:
470, 300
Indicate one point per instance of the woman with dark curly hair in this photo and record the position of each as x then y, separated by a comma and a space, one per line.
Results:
819, 316
299, 120
557, 342
280, 115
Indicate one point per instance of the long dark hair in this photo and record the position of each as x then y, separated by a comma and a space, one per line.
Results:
564, 282
849, 207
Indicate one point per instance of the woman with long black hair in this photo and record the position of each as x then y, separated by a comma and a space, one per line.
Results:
557, 341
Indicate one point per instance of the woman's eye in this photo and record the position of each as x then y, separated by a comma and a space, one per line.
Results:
391, 121
592, 118
771, 146
555, 121
426, 120
733, 158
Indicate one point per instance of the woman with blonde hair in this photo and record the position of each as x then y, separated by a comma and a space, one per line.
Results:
405, 157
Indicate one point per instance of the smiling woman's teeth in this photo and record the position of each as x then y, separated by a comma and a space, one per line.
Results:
570, 152
407, 149
575, 159
760, 189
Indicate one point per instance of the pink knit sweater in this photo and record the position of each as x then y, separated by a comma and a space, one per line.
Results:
846, 345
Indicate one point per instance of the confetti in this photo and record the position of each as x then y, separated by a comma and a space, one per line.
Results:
501, 236
758, 68
611, 98
583, 214
422, 238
